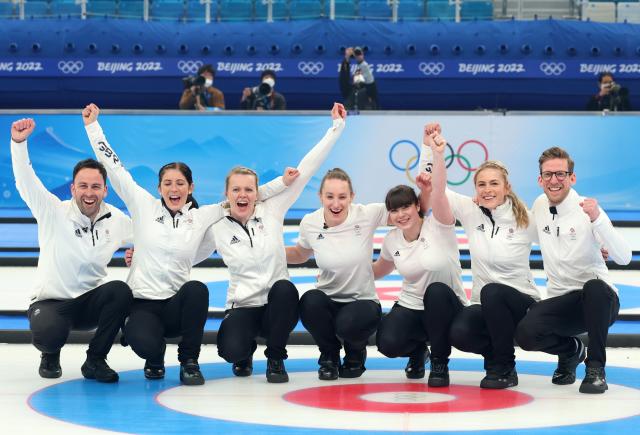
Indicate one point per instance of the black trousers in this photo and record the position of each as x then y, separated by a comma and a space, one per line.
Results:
326, 320
489, 331
404, 332
550, 324
274, 321
184, 314
104, 307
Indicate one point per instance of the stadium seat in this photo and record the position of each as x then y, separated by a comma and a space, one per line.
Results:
131, 9
236, 10
599, 11
8, 9
476, 10
280, 10
440, 9
167, 10
102, 8
65, 8
37, 9
345, 8
629, 12
308, 9
374, 9
412, 10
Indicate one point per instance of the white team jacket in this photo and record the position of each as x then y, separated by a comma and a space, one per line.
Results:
255, 253
570, 244
165, 245
74, 252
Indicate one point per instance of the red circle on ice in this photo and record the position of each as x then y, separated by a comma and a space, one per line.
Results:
350, 398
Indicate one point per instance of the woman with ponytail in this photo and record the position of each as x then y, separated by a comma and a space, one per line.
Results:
497, 225
167, 234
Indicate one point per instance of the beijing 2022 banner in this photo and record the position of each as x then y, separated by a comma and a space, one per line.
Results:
379, 151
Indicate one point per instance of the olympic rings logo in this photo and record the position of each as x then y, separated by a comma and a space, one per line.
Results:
313, 68
453, 155
189, 66
431, 68
70, 66
552, 68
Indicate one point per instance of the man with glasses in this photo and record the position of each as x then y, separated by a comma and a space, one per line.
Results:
572, 230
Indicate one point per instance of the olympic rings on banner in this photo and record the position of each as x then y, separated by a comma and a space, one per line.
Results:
452, 156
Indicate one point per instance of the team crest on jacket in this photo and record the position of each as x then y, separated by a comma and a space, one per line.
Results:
320, 237
397, 254
234, 240
160, 220
572, 233
510, 234
480, 227
357, 229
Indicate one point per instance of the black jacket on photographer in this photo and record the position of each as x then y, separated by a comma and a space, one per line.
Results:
357, 96
613, 101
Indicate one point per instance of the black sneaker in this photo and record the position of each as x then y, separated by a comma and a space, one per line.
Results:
276, 373
595, 381
439, 375
153, 371
353, 364
98, 369
50, 365
498, 381
415, 365
190, 373
243, 368
565, 373
328, 370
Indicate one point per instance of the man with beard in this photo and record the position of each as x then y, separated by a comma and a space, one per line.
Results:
77, 239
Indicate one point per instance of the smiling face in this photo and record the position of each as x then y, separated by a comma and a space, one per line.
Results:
88, 190
556, 188
491, 188
406, 217
174, 189
336, 197
242, 194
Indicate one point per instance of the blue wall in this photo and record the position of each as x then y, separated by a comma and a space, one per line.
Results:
543, 65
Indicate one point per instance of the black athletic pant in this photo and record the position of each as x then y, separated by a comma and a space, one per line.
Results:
404, 331
104, 307
503, 308
471, 332
326, 320
274, 321
184, 314
550, 324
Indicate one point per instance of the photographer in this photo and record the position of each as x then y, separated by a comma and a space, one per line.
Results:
263, 96
611, 96
199, 93
361, 91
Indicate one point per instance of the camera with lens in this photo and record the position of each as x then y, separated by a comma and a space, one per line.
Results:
613, 87
197, 81
262, 91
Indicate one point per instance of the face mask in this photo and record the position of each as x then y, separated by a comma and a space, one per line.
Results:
208, 83
357, 79
271, 82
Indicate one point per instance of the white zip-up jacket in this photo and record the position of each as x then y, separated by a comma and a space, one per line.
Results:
74, 252
255, 253
499, 249
165, 245
570, 244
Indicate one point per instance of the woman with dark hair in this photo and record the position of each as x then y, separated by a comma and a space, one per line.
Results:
261, 300
167, 233
344, 306
425, 253
497, 224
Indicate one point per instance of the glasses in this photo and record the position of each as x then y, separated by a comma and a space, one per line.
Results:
560, 175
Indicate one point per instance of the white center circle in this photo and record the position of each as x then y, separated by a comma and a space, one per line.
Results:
408, 397
263, 403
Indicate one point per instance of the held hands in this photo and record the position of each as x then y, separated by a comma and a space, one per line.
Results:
590, 207
423, 181
90, 114
128, 257
338, 111
22, 129
290, 174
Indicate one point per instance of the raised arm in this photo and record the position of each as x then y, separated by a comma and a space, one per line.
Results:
437, 144
31, 189
617, 247
131, 193
311, 162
